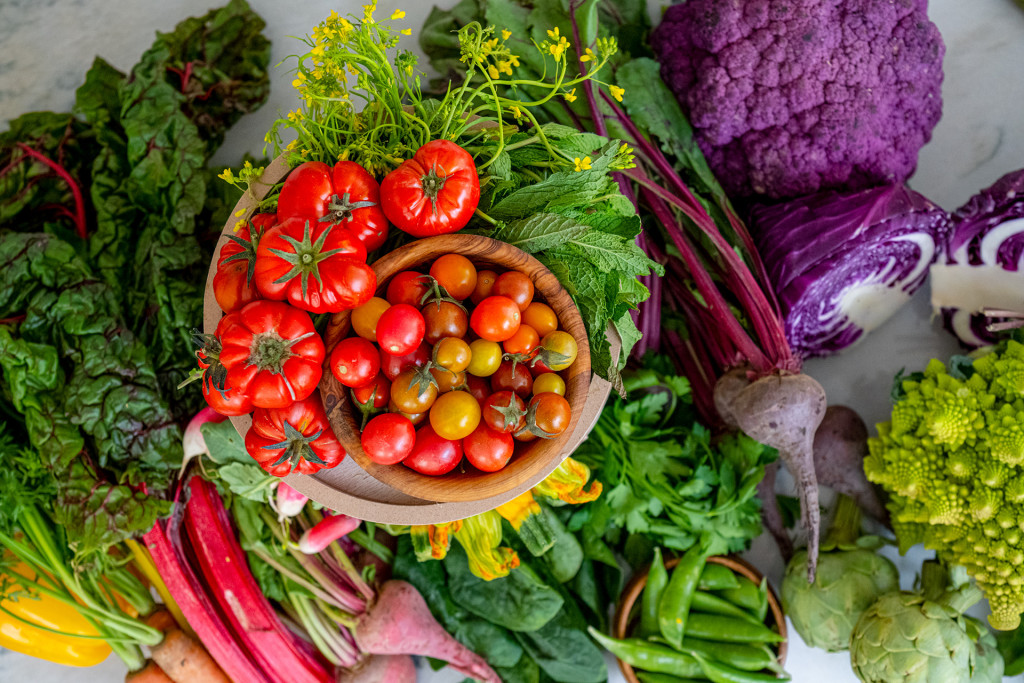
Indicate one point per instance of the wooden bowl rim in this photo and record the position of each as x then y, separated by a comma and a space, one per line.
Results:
453, 487
737, 564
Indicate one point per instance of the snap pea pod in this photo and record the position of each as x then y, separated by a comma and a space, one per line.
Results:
762, 607
720, 673
729, 629
717, 577
674, 605
649, 656
738, 655
747, 594
657, 579
707, 602
648, 677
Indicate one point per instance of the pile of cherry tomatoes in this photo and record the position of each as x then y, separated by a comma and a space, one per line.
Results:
455, 362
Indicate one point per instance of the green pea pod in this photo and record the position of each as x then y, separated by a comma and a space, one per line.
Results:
717, 577
747, 595
649, 656
721, 673
737, 655
674, 606
657, 578
648, 677
706, 602
729, 629
762, 607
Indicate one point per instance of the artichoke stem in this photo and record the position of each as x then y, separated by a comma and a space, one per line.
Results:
845, 524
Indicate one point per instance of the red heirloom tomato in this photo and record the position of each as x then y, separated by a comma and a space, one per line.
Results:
433, 454
271, 353
317, 267
233, 285
388, 439
434, 193
222, 398
355, 362
293, 439
346, 195
488, 450
496, 318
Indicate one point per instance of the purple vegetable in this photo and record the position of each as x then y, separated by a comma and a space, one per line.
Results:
842, 263
985, 248
791, 97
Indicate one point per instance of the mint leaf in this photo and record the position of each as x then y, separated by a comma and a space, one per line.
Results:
247, 480
629, 334
224, 442
539, 232
612, 254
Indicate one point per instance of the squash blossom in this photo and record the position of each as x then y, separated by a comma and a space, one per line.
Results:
431, 541
480, 536
568, 484
528, 519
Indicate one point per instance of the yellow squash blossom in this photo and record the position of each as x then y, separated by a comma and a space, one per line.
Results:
568, 484
480, 536
432, 541
527, 518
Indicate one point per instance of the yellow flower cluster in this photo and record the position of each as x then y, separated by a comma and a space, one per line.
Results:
491, 54
557, 46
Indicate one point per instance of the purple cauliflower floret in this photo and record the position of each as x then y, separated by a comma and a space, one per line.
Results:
789, 97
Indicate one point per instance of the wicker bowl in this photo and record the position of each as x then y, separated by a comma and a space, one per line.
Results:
465, 483
623, 626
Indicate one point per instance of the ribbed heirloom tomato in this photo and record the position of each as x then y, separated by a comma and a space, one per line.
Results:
233, 285
271, 353
220, 396
346, 195
434, 193
296, 439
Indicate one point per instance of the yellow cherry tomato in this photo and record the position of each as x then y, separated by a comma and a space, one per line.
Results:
364, 318
455, 415
452, 354
486, 357
540, 317
549, 381
562, 343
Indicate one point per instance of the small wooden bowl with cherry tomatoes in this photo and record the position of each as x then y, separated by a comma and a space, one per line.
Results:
432, 387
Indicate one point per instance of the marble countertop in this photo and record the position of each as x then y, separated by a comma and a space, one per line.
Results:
46, 46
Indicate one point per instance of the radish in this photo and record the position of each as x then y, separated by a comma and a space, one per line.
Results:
192, 441
400, 623
327, 531
287, 502
381, 669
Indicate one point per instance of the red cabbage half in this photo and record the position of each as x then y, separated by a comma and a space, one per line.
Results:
842, 263
985, 261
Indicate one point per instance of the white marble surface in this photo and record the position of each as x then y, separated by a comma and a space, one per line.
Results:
46, 46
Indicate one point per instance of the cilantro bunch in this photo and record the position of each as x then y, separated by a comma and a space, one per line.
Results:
665, 475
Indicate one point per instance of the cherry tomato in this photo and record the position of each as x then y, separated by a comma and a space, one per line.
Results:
432, 454
504, 411
388, 439
485, 359
516, 286
416, 418
496, 318
355, 362
408, 287
484, 284
392, 365
558, 350
364, 318
377, 390
400, 330
552, 413
444, 319
456, 274
479, 388
549, 381
452, 354
434, 193
517, 379
488, 450
410, 395
540, 317
523, 341
524, 437
455, 415
447, 380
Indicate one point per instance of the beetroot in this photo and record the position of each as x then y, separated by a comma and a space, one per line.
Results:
840, 445
400, 622
381, 669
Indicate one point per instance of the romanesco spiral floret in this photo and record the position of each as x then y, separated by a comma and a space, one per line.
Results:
952, 460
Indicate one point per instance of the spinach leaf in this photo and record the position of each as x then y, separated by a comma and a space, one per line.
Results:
564, 652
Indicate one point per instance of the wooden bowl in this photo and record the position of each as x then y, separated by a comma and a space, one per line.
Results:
622, 626
465, 483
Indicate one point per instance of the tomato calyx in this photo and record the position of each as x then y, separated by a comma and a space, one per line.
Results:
365, 409
549, 357
248, 252
210, 370
512, 413
517, 358
422, 378
432, 184
436, 294
306, 258
531, 426
269, 351
341, 208
296, 448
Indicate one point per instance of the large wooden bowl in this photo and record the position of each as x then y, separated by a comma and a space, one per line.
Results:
465, 483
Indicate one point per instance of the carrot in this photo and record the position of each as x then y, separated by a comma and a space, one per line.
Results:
162, 620
151, 673
184, 660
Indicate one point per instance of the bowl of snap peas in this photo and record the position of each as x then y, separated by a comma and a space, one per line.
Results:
699, 618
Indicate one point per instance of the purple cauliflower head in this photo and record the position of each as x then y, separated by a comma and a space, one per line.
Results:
789, 97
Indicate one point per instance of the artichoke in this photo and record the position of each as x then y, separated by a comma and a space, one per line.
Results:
851, 576
923, 637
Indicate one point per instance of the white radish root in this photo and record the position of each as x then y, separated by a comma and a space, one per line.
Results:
783, 411
382, 669
840, 445
400, 622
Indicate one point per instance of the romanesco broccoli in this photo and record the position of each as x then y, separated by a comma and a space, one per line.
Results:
952, 458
